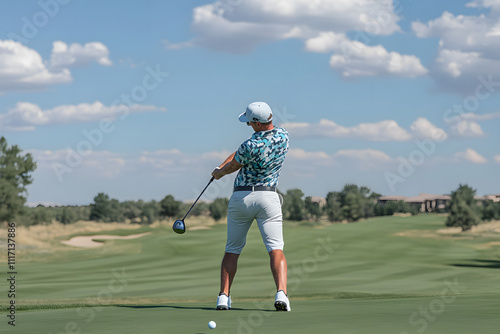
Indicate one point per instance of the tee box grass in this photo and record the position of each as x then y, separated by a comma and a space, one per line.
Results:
382, 275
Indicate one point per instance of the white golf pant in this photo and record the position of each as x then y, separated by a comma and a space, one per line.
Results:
244, 207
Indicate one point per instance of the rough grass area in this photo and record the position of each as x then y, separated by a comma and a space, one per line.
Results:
382, 275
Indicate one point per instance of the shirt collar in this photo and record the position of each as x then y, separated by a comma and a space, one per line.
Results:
263, 133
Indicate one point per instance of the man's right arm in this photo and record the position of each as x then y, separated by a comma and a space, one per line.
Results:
231, 157
230, 165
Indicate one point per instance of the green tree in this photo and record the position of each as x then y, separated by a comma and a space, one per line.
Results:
169, 206
351, 203
82, 212
150, 212
491, 210
41, 215
67, 215
356, 202
218, 208
463, 208
116, 211
379, 210
333, 207
353, 206
201, 208
103, 209
313, 208
15, 175
391, 207
130, 209
293, 204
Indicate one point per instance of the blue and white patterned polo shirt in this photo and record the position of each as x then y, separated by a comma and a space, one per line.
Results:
262, 157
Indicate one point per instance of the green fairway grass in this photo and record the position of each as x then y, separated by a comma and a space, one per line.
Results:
382, 275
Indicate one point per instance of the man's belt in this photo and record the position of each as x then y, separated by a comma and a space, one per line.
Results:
255, 188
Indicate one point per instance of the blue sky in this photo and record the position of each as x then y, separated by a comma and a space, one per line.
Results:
140, 99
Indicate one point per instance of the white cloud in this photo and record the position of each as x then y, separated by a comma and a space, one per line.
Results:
214, 30
22, 68
462, 32
325, 128
173, 162
376, 61
495, 31
73, 55
367, 159
355, 59
483, 117
153, 174
239, 27
340, 15
26, 116
423, 129
162, 159
471, 156
467, 129
387, 130
358, 159
105, 164
455, 63
494, 4
459, 71
328, 42
65, 164
101, 164
382, 131
469, 46
177, 46
497, 159
300, 154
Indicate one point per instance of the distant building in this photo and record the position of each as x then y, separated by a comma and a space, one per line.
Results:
385, 199
481, 200
431, 203
320, 200
423, 202
494, 198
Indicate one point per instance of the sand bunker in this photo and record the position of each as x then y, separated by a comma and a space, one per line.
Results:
484, 230
194, 228
88, 241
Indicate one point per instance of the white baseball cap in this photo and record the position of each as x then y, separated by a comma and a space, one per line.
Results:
257, 112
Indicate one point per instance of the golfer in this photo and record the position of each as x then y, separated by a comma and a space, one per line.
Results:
259, 161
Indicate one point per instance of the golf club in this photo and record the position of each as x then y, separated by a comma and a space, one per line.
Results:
179, 225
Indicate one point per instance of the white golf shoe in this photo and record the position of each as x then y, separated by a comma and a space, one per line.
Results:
223, 302
281, 302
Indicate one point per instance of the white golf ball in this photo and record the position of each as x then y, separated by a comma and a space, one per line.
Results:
212, 324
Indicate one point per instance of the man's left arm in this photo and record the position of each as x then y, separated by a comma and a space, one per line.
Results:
230, 165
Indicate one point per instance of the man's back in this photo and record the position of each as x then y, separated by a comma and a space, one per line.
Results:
262, 156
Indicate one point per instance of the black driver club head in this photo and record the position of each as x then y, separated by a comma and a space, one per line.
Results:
179, 227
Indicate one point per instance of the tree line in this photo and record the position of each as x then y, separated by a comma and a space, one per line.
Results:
106, 209
351, 204
465, 212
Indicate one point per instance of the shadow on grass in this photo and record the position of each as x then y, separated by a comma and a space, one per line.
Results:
490, 264
191, 308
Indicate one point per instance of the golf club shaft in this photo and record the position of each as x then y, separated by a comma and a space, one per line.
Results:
198, 198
